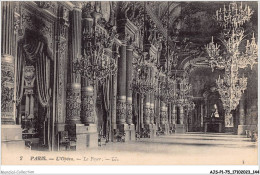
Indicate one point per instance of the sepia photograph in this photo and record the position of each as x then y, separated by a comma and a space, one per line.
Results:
129, 83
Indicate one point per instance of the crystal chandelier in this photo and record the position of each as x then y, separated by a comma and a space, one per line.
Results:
231, 20
230, 89
231, 58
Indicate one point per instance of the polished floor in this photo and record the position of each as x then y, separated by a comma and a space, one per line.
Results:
189, 148
174, 149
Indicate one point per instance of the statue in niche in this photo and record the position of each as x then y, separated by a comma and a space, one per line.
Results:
215, 111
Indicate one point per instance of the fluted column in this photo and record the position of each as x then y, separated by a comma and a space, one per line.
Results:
7, 64
74, 83
129, 78
121, 86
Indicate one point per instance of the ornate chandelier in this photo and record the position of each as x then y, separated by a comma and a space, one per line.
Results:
231, 58
142, 83
230, 89
231, 20
97, 61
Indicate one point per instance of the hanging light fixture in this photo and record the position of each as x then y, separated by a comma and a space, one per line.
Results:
96, 62
170, 93
231, 21
231, 59
142, 82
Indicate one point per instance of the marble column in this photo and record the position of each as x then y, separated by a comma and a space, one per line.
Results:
7, 65
87, 91
74, 78
181, 114
121, 86
129, 79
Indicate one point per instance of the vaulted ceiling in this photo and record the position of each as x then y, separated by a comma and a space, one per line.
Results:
191, 25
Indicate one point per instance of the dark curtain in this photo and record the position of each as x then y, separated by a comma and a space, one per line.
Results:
36, 51
37, 54
107, 105
21, 55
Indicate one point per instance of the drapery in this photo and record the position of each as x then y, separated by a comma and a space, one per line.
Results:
21, 55
35, 50
107, 105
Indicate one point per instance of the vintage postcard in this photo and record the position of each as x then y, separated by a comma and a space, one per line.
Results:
129, 83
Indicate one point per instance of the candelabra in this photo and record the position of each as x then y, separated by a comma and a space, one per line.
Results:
231, 59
